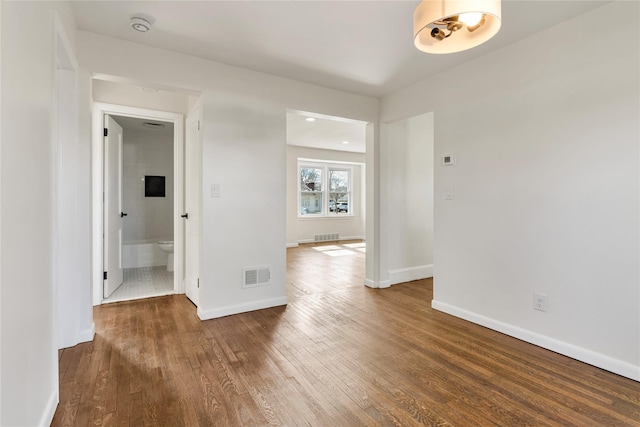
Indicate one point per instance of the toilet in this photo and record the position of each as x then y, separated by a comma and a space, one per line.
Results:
167, 246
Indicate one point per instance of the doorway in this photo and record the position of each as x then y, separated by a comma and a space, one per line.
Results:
138, 208
111, 260
326, 198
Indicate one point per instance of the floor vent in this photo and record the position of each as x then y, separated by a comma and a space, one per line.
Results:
256, 276
327, 237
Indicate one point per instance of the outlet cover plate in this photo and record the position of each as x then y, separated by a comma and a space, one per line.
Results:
539, 302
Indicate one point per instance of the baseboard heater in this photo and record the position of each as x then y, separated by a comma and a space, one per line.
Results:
327, 237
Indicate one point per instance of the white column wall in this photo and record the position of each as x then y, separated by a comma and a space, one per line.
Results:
408, 160
546, 187
28, 355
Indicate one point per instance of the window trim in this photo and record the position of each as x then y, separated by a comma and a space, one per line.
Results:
326, 190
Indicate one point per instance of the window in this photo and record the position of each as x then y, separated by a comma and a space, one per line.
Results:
325, 190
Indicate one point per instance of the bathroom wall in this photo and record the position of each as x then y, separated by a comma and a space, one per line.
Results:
147, 152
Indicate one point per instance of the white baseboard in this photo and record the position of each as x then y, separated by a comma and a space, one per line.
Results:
303, 241
352, 238
50, 409
87, 334
292, 245
579, 353
412, 273
381, 284
241, 308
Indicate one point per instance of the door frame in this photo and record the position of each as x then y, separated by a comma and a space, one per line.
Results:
193, 142
97, 188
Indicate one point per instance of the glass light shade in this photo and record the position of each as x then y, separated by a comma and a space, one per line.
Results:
430, 11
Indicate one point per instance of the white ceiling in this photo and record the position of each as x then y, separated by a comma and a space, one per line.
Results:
132, 123
361, 46
329, 133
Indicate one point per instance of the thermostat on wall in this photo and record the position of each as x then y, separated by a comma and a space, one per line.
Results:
449, 160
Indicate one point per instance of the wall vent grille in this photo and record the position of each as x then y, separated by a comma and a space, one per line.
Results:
327, 237
256, 276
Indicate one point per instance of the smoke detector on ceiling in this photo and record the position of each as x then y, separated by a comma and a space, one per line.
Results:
140, 24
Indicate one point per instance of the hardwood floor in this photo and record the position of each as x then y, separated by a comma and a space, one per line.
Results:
314, 268
339, 354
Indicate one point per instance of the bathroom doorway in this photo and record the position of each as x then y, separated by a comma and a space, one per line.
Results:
138, 208
138, 193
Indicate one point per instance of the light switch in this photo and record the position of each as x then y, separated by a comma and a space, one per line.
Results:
215, 191
448, 193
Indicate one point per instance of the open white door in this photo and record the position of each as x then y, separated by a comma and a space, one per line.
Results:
113, 214
192, 207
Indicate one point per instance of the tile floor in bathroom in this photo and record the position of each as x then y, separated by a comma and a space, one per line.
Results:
143, 282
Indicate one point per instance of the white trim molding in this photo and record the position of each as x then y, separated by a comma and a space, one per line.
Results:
340, 239
575, 352
380, 284
87, 334
50, 409
409, 274
99, 110
241, 308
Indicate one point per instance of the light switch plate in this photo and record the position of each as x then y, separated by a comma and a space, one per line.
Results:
448, 193
215, 191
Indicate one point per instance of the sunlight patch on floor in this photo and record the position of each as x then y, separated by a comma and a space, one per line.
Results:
355, 245
326, 248
340, 252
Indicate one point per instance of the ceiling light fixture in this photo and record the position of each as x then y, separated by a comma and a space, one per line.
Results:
141, 24
448, 26
345, 142
310, 119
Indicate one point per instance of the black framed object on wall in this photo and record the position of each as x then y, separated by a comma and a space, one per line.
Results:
154, 186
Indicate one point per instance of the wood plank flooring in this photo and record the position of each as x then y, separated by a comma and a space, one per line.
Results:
339, 354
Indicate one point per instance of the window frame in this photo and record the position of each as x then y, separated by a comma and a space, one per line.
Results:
325, 191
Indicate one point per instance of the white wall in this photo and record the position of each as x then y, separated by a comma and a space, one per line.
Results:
131, 95
408, 164
29, 371
244, 150
546, 187
300, 230
147, 152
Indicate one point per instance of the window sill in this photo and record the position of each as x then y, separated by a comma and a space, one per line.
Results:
330, 217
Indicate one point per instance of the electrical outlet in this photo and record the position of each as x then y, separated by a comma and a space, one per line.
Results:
539, 302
